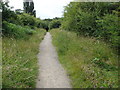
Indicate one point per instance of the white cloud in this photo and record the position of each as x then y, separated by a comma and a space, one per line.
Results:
44, 8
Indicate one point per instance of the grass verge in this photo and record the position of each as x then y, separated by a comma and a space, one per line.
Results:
90, 63
19, 59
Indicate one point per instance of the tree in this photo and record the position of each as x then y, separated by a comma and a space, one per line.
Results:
7, 14
28, 6
55, 24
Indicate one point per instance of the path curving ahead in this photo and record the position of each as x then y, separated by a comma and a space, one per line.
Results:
51, 73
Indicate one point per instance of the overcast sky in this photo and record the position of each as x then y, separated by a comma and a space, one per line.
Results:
44, 8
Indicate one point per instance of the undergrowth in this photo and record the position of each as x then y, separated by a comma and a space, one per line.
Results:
90, 63
19, 59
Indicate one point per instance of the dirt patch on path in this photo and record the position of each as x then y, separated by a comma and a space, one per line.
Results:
51, 73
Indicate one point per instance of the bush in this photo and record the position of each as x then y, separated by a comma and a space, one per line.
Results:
7, 14
16, 31
27, 20
55, 24
108, 28
31, 21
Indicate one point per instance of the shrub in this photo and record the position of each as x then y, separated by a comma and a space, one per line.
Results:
27, 20
108, 28
55, 24
7, 14
15, 31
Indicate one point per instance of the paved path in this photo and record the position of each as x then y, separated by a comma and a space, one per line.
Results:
51, 73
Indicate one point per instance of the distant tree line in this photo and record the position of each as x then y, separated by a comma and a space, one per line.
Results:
53, 23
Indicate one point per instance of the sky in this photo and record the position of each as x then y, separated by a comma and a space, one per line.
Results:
44, 8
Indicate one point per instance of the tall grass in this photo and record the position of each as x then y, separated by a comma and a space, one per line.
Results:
90, 63
20, 61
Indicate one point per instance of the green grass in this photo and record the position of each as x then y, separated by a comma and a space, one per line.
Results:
90, 63
19, 60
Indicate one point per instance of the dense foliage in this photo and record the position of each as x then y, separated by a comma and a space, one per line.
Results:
16, 31
7, 14
52, 23
98, 19
55, 24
